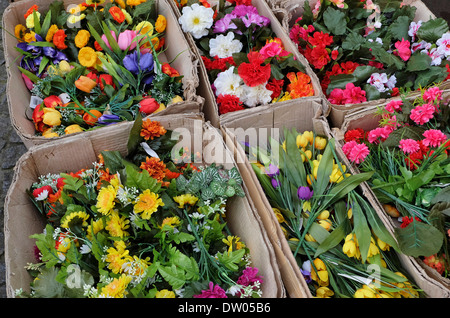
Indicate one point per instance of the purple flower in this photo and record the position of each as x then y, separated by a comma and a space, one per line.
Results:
225, 24
275, 183
304, 193
108, 119
257, 19
242, 10
272, 170
138, 63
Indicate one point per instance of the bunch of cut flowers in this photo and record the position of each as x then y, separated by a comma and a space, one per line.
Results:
339, 242
409, 154
247, 64
93, 64
369, 50
140, 226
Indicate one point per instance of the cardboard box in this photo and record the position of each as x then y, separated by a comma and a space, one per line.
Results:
79, 151
18, 95
294, 9
211, 109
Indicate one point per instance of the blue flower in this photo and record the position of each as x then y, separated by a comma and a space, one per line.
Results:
142, 63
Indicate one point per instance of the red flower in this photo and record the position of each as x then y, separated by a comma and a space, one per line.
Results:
319, 57
239, 2
406, 220
59, 38
117, 14
334, 54
43, 192
169, 70
218, 63
356, 134
52, 101
92, 76
38, 118
448, 71
105, 79
253, 73
31, 10
148, 105
276, 87
228, 103
320, 39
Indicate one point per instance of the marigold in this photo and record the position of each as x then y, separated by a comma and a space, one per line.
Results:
145, 27
87, 56
105, 200
147, 203
19, 32
300, 85
160, 24
155, 168
58, 39
152, 129
82, 38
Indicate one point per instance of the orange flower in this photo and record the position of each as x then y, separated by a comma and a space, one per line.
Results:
155, 168
300, 85
85, 84
59, 38
34, 7
169, 70
91, 120
151, 129
171, 175
117, 14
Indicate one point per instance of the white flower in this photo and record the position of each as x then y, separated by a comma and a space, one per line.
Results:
378, 80
228, 83
196, 20
443, 44
258, 95
224, 46
422, 45
42, 196
85, 249
392, 81
436, 56
413, 27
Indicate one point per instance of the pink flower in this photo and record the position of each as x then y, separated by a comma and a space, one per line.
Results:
214, 291
273, 49
394, 106
105, 39
347, 147
336, 96
27, 81
432, 94
422, 114
125, 40
379, 134
409, 145
403, 49
358, 153
354, 95
434, 138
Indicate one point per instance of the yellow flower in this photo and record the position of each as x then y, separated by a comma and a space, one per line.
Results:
19, 32
116, 225
74, 128
309, 238
308, 154
133, 3
319, 273
285, 97
49, 133
128, 17
117, 256
406, 289
121, 3
324, 292
160, 24
350, 213
326, 224
97, 226
185, 199
176, 99
351, 248
383, 245
165, 293
30, 19
29, 37
87, 56
117, 288
82, 38
325, 214
75, 18
135, 266
75, 217
64, 67
147, 203
306, 206
145, 27
170, 221
365, 292
233, 242
302, 141
52, 117
51, 31
320, 143
373, 248
278, 215
105, 200
96, 2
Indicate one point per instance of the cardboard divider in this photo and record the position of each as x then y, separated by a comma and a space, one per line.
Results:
79, 151
294, 9
18, 95
428, 279
211, 109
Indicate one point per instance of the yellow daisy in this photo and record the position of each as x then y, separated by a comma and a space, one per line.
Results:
74, 218
117, 288
147, 203
185, 199
116, 225
105, 200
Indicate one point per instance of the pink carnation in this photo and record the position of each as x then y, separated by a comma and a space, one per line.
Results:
394, 106
347, 147
432, 94
353, 94
434, 138
403, 49
358, 153
214, 291
422, 114
409, 145
379, 134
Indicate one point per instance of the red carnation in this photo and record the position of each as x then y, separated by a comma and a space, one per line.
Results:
42, 193
275, 86
253, 73
356, 134
228, 103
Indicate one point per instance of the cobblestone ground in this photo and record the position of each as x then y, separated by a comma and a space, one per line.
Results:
11, 146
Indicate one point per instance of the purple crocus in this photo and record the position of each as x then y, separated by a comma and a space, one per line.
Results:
108, 119
275, 183
272, 170
304, 193
136, 63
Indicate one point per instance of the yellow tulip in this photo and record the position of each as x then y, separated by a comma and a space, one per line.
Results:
320, 143
52, 117
325, 214
302, 141
73, 129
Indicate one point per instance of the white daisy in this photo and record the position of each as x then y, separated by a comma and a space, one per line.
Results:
224, 46
228, 83
196, 20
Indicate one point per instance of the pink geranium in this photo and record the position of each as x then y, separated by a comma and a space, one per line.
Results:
214, 291
358, 153
434, 138
433, 94
379, 134
403, 49
422, 113
337, 97
394, 106
353, 94
409, 146
347, 147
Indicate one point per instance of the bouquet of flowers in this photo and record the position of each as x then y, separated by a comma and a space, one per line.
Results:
409, 154
247, 64
94, 63
368, 50
140, 226
338, 240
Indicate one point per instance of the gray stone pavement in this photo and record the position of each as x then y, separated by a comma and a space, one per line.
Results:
11, 146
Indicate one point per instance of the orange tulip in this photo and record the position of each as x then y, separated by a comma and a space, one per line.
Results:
85, 84
91, 120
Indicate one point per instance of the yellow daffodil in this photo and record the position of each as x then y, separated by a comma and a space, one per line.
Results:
325, 214
319, 273
147, 203
233, 242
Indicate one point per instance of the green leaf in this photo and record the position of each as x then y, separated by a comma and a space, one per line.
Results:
334, 238
325, 169
432, 30
231, 259
419, 239
433, 74
113, 161
353, 41
418, 62
361, 229
135, 134
384, 57
399, 28
71, 183
335, 21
